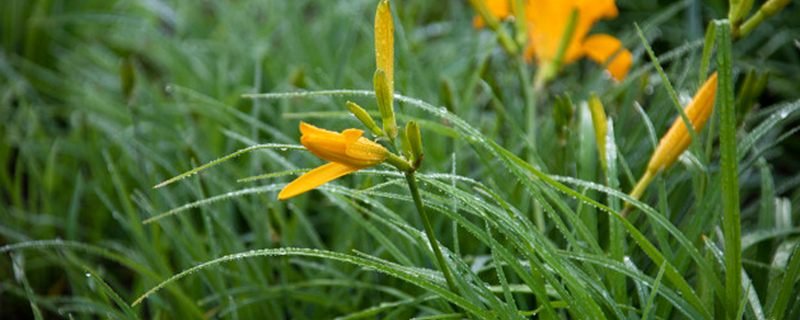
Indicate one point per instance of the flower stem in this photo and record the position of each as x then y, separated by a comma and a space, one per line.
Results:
412, 185
639, 190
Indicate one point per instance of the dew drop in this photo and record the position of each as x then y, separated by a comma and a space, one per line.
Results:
648, 90
168, 89
284, 149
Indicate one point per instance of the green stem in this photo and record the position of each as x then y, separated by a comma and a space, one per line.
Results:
399, 163
530, 97
638, 191
493, 23
412, 185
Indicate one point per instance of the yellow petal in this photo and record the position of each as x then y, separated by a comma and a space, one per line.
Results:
315, 178
601, 47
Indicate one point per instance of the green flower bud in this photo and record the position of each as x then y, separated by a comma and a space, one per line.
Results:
364, 117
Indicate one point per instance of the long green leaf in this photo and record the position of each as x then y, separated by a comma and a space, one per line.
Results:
729, 175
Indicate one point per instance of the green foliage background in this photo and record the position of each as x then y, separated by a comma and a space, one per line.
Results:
80, 154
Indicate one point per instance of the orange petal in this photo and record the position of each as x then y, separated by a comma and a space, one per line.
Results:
315, 178
601, 47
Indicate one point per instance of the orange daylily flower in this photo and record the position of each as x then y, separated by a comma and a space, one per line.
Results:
347, 152
547, 20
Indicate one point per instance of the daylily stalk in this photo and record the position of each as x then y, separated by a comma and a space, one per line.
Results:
677, 139
767, 10
426, 223
548, 70
489, 16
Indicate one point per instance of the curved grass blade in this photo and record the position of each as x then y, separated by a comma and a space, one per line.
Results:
228, 157
226, 196
111, 293
399, 273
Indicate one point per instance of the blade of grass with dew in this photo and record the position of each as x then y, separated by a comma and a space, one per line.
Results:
616, 235
781, 115
646, 315
273, 175
400, 273
673, 297
564, 269
731, 225
750, 297
88, 248
19, 274
779, 307
350, 206
210, 200
676, 103
228, 157
111, 293
496, 247
708, 48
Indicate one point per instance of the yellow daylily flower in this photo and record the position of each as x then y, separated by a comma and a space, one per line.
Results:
347, 152
547, 20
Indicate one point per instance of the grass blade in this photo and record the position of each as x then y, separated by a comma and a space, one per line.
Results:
111, 293
729, 175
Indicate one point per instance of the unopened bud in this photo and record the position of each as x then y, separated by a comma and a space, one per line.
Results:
677, 139
364, 117
600, 126
415, 141
384, 43
384, 96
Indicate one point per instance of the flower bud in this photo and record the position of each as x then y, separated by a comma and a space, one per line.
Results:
600, 126
414, 141
383, 94
364, 117
677, 139
384, 43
